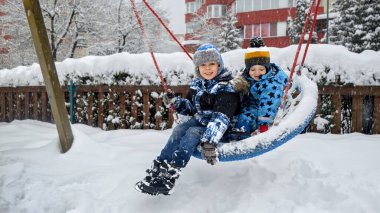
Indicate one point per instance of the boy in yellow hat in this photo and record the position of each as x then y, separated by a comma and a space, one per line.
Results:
266, 89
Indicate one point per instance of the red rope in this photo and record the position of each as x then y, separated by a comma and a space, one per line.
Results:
167, 29
310, 36
298, 51
147, 42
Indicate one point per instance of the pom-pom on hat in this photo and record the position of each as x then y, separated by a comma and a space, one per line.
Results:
207, 53
257, 54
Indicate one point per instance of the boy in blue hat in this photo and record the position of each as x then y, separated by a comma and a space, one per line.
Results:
212, 103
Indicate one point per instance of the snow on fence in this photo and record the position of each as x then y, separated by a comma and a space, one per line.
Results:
353, 108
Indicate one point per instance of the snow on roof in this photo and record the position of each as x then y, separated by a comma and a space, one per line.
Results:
324, 16
188, 42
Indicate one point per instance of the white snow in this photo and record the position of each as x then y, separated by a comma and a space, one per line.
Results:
313, 173
359, 69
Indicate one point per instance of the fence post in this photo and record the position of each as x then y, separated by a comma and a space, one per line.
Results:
72, 94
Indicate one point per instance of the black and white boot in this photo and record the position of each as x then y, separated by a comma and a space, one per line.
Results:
160, 179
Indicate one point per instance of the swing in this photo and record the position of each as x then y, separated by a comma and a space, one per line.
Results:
295, 113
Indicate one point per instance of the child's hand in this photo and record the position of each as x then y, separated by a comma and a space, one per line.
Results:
168, 97
209, 153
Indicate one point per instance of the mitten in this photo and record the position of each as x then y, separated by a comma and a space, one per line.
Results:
209, 153
168, 97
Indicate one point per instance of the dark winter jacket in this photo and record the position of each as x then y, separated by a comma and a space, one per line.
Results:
265, 96
212, 102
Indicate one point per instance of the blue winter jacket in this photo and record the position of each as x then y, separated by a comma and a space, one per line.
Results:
212, 103
264, 99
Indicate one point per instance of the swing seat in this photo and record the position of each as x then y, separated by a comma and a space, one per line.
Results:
289, 122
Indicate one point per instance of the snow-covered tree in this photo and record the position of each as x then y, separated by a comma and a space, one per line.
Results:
229, 38
295, 27
64, 20
20, 45
119, 30
205, 29
357, 25
102, 27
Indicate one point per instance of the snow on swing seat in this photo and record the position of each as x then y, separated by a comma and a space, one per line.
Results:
291, 121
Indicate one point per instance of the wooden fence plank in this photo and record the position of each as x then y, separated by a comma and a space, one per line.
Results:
376, 115
133, 109
2, 105
313, 125
10, 106
100, 108
357, 110
337, 102
111, 108
18, 104
158, 111
89, 109
26, 105
43, 106
35, 105
122, 110
146, 95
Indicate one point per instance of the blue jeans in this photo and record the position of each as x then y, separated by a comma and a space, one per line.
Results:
182, 143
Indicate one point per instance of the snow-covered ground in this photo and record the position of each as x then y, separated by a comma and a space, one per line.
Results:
313, 173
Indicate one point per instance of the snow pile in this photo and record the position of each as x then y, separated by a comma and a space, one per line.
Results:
326, 63
312, 173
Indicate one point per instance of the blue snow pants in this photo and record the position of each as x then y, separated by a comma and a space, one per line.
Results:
182, 143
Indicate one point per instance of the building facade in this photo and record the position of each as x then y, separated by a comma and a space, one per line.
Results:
265, 18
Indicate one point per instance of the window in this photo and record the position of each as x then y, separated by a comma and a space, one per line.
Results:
248, 5
264, 30
189, 28
275, 4
257, 4
216, 11
198, 4
290, 3
240, 5
273, 29
190, 7
256, 30
192, 27
252, 5
248, 31
281, 28
265, 4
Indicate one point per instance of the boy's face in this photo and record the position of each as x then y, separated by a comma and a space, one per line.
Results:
208, 70
256, 71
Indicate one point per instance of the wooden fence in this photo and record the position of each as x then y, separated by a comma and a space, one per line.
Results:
141, 107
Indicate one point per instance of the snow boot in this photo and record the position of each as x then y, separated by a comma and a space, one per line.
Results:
161, 183
153, 171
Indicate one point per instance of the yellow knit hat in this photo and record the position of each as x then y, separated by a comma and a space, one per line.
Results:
257, 56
